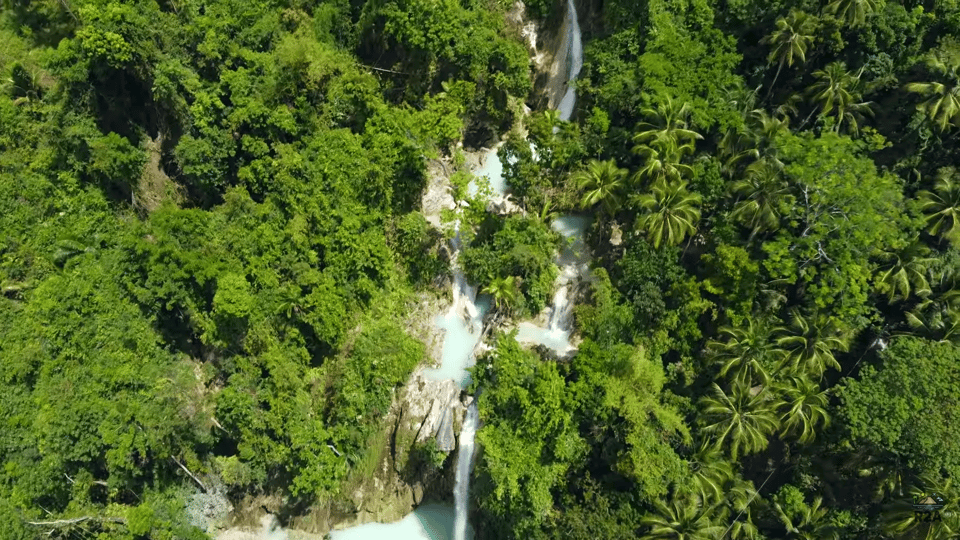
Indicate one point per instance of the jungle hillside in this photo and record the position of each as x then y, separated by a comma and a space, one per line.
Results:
212, 243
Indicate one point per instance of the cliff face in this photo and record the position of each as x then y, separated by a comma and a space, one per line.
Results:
548, 52
408, 471
405, 470
548, 46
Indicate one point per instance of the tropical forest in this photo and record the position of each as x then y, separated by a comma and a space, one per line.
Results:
479, 269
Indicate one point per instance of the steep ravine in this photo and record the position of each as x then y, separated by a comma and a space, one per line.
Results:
463, 322
400, 483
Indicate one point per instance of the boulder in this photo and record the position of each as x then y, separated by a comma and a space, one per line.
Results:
503, 206
446, 440
437, 196
425, 401
616, 234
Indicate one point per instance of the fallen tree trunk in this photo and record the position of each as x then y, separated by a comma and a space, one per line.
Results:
74, 521
186, 470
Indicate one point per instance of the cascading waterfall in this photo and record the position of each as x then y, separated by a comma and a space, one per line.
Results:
461, 493
463, 325
574, 263
464, 296
571, 262
574, 62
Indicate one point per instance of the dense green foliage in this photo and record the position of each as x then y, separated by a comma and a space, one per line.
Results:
209, 231
905, 405
775, 196
210, 234
515, 247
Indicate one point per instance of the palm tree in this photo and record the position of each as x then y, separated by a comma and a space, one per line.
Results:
740, 501
905, 272
942, 205
838, 92
944, 274
672, 213
748, 353
901, 520
684, 518
735, 147
740, 419
23, 85
942, 104
937, 318
764, 197
853, 12
503, 291
741, 97
790, 41
710, 473
809, 343
808, 523
72, 246
662, 161
602, 182
804, 408
765, 129
548, 213
755, 140
668, 124
888, 470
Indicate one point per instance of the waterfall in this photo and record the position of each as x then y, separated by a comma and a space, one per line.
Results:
574, 61
574, 263
461, 491
464, 296
574, 266
463, 326
463, 323
560, 317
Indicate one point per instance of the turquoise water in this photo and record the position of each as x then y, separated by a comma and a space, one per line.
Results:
463, 326
428, 522
461, 334
574, 263
492, 169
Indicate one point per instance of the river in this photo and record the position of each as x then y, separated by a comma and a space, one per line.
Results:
463, 327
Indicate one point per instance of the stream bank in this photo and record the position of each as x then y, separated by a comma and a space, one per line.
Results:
400, 479
465, 323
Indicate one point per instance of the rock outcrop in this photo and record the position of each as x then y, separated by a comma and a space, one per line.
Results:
437, 196
424, 403
504, 206
406, 475
548, 53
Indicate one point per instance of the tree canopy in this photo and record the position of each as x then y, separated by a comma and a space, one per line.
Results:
219, 230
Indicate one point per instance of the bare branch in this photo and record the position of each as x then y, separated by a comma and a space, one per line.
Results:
214, 420
60, 522
384, 70
74, 521
195, 479
66, 6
